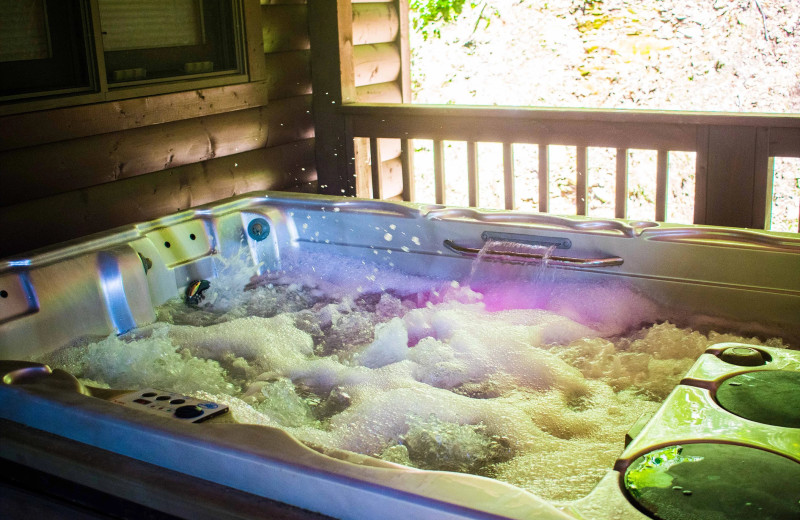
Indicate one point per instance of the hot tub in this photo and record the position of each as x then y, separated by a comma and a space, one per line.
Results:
725, 439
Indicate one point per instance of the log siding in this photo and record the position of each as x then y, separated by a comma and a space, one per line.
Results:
93, 167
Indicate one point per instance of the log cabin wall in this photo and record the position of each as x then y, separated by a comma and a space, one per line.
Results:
359, 52
66, 172
381, 62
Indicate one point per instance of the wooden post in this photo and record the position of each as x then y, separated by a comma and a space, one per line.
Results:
405, 50
733, 174
403, 38
330, 30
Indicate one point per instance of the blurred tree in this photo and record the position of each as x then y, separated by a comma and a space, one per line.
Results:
428, 12
430, 15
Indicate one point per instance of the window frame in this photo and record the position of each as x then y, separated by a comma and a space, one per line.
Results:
249, 49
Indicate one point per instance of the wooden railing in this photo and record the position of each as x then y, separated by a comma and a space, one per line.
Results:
734, 152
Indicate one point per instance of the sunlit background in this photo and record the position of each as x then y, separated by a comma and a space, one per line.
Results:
722, 56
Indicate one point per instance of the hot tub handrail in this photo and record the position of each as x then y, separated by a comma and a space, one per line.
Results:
520, 257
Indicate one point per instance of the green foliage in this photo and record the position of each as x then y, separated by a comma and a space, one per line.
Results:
428, 12
585, 6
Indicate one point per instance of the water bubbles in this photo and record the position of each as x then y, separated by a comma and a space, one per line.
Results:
446, 446
387, 237
348, 354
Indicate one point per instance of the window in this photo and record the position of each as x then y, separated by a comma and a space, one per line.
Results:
60, 48
44, 48
154, 40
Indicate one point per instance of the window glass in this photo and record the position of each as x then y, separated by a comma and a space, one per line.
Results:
149, 24
43, 48
23, 31
157, 40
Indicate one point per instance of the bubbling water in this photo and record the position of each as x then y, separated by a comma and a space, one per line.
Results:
536, 391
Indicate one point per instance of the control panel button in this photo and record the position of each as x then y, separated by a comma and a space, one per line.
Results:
188, 412
743, 356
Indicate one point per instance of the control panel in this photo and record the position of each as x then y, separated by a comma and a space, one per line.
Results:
170, 404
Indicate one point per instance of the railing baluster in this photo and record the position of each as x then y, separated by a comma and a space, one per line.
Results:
581, 191
764, 177
701, 175
768, 194
621, 190
438, 171
662, 167
375, 162
472, 173
508, 174
544, 178
406, 164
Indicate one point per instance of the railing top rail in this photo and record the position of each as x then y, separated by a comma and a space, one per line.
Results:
574, 114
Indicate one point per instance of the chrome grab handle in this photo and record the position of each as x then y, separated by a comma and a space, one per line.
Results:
519, 257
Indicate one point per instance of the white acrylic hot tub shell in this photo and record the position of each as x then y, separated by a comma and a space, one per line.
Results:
98, 286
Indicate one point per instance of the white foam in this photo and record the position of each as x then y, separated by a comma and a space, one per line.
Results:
533, 388
390, 345
152, 360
